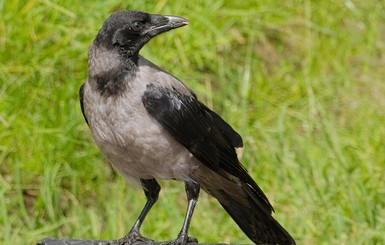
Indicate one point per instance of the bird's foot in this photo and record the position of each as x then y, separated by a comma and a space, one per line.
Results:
131, 238
181, 240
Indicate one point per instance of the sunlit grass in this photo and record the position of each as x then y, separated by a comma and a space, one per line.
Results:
302, 81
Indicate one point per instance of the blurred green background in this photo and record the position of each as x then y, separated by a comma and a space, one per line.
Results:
302, 81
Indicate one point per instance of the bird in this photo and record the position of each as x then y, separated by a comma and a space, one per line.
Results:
150, 126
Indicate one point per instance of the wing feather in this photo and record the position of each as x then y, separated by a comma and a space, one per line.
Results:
81, 97
207, 136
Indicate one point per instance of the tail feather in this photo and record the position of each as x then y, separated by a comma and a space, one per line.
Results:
240, 201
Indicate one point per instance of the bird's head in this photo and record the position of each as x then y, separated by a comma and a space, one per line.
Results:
130, 30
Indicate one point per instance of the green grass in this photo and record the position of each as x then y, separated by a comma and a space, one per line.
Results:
302, 81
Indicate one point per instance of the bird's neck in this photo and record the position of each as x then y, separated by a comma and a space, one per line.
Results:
110, 71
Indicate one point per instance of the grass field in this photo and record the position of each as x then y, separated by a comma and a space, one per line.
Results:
302, 81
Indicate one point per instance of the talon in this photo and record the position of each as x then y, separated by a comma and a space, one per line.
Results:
192, 240
181, 240
131, 238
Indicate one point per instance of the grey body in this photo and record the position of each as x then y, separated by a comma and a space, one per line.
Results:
135, 143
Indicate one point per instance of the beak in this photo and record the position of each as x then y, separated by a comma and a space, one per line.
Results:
163, 23
175, 21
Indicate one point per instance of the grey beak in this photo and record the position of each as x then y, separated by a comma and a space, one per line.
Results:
175, 21
163, 23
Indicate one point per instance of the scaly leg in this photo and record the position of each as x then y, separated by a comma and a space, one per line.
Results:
151, 190
192, 191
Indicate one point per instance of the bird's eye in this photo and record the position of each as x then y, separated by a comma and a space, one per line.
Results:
137, 26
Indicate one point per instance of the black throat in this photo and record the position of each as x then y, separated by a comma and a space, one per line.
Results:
116, 80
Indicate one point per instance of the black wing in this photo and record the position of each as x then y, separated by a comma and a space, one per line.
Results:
234, 138
81, 97
207, 136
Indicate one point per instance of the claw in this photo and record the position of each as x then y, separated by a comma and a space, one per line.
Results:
181, 240
131, 238
192, 240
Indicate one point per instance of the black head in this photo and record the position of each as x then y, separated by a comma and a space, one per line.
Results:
130, 30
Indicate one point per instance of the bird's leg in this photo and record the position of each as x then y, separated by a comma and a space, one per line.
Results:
151, 190
192, 191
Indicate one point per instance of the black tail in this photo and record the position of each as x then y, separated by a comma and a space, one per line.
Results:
243, 205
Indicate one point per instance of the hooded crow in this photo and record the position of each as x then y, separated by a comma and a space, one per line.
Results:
150, 126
